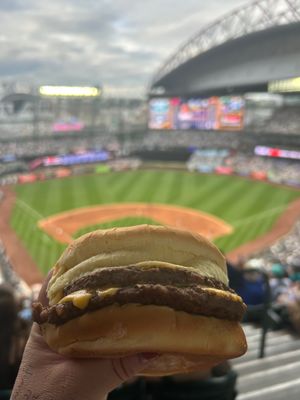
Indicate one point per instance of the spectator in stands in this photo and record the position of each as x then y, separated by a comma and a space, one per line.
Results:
45, 374
288, 299
279, 281
295, 269
10, 353
293, 308
249, 286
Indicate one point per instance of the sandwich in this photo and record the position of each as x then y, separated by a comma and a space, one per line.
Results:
123, 291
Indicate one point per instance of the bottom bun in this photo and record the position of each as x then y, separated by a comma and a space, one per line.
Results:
186, 342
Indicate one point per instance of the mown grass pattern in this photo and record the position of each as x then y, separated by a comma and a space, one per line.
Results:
251, 207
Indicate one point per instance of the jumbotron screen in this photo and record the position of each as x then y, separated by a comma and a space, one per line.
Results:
214, 113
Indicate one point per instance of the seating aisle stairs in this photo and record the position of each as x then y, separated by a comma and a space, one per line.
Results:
275, 377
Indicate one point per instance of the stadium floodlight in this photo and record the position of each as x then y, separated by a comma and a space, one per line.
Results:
284, 86
70, 91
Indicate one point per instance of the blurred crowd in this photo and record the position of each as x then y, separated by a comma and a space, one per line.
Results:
231, 151
271, 169
126, 143
56, 145
281, 263
284, 120
167, 140
276, 170
15, 319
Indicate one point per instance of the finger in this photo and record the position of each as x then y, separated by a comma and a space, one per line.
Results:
128, 367
36, 343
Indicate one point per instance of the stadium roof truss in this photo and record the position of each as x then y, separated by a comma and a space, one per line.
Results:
256, 16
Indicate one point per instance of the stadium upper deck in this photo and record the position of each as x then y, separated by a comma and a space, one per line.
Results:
242, 52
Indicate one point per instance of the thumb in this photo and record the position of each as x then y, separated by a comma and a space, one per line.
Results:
127, 367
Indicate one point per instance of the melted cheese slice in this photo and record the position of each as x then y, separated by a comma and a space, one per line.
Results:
224, 294
80, 299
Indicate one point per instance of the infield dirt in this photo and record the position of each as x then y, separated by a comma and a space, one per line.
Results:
63, 226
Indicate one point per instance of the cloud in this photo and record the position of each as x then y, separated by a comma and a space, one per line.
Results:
119, 43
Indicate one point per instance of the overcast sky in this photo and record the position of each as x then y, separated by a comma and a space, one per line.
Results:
116, 43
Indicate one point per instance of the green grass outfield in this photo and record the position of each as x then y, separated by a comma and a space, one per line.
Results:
251, 207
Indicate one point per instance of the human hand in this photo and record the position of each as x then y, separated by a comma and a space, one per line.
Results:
47, 375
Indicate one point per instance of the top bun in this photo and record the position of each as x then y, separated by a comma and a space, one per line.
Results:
142, 245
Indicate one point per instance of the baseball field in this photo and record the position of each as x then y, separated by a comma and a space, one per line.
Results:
249, 208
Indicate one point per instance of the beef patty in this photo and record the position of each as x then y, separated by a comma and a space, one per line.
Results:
132, 275
180, 289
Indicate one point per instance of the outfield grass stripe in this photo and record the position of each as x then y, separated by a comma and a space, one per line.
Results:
104, 189
35, 242
265, 215
59, 195
29, 210
85, 196
15, 219
36, 201
175, 188
24, 220
46, 258
224, 199
141, 189
126, 183
111, 179
152, 188
72, 197
220, 194
248, 231
187, 187
39, 256
161, 187
53, 200
204, 192
100, 194
243, 235
28, 233
247, 203
16, 216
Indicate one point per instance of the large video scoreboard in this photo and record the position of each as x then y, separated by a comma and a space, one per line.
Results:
213, 113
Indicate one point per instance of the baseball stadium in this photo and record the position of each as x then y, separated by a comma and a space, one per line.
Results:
213, 148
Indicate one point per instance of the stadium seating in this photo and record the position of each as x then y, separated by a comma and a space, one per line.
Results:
284, 120
284, 249
215, 388
274, 377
